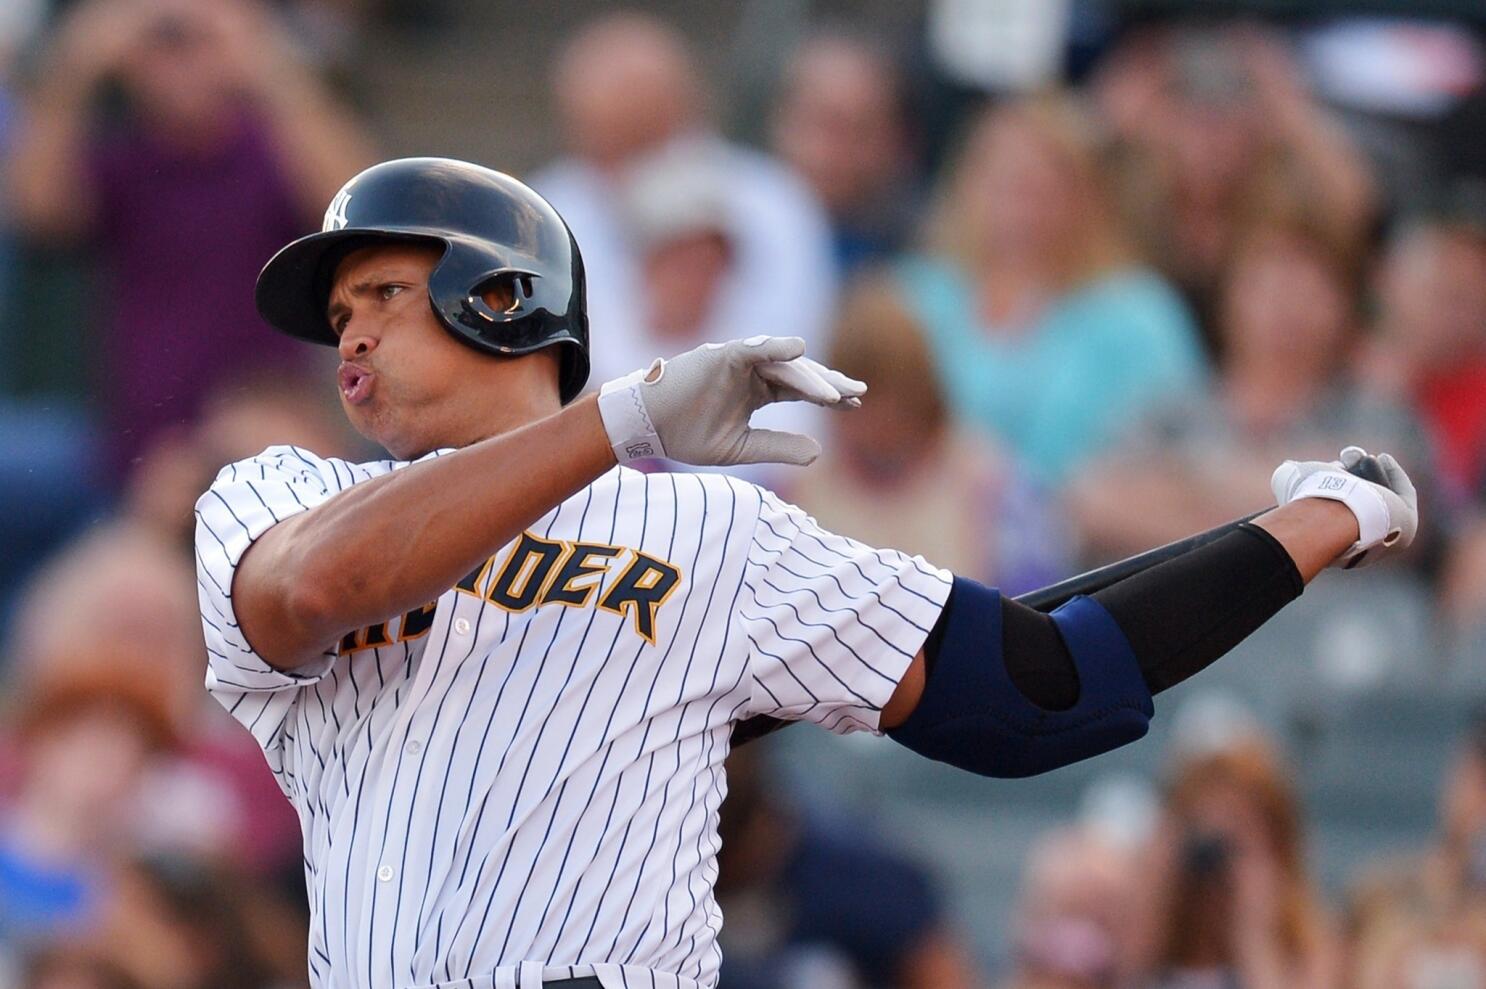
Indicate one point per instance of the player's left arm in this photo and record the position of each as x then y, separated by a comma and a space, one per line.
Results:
1003, 690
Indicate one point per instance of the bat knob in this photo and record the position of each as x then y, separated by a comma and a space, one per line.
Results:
1366, 466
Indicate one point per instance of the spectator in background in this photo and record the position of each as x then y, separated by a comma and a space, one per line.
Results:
841, 121
227, 147
1429, 349
1234, 906
1046, 332
1074, 927
627, 88
900, 471
1423, 916
1216, 126
1287, 323
687, 233
182, 923
82, 746
811, 906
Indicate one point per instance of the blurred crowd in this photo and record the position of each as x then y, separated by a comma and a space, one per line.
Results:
1102, 272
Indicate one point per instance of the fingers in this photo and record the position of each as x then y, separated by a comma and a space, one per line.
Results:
760, 349
1397, 479
804, 380
797, 381
850, 388
1351, 456
770, 446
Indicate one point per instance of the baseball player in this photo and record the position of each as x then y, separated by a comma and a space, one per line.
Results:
497, 674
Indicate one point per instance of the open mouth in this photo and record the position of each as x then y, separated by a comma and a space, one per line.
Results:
356, 383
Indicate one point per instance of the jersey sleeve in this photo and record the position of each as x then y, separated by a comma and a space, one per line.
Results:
831, 624
246, 500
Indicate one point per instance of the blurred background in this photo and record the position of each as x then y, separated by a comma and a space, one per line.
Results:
1104, 263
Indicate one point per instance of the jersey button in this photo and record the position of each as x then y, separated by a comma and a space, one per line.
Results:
385, 873
414, 747
462, 626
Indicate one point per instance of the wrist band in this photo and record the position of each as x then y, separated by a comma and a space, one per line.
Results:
1366, 504
631, 433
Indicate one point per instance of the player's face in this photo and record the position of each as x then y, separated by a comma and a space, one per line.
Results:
404, 381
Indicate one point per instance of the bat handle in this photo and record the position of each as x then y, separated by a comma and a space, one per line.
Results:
1369, 469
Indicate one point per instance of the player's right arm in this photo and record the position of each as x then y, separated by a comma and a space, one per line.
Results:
301, 578
398, 541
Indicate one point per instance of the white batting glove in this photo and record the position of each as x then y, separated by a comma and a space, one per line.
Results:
695, 408
1387, 515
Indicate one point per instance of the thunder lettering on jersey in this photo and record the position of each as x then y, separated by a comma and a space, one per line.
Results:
540, 571
521, 780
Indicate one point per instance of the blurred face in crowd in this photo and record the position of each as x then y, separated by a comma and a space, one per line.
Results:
879, 341
683, 275
178, 71
1237, 856
839, 123
1214, 136
1026, 190
86, 765
139, 595
405, 381
1285, 307
1226, 814
625, 85
1433, 294
1073, 927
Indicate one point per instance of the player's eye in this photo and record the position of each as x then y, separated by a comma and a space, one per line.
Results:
339, 324
388, 291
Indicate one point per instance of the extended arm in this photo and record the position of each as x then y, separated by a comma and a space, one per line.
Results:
1078, 682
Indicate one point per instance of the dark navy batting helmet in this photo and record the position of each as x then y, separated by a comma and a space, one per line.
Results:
493, 229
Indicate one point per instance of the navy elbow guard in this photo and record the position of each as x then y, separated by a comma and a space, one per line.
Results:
972, 716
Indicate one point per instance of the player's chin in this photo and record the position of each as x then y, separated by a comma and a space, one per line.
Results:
402, 443
375, 423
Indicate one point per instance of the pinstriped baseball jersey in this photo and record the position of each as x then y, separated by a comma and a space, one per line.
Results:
521, 779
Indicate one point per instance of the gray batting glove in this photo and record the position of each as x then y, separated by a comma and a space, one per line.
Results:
1387, 515
695, 408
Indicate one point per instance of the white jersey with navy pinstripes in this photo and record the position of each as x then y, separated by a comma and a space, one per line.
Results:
521, 780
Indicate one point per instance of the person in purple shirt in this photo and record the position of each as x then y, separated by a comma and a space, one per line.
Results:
226, 146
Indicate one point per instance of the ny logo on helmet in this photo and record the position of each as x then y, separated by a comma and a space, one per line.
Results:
335, 215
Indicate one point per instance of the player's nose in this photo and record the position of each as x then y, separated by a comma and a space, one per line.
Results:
356, 341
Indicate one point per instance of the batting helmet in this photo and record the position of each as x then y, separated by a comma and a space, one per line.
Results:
493, 229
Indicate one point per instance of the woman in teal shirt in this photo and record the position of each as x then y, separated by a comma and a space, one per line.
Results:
1048, 334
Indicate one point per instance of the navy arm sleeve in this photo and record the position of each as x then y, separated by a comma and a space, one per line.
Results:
1078, 682
1179, 617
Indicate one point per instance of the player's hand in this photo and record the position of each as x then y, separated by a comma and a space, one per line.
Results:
695, 408
1387, 514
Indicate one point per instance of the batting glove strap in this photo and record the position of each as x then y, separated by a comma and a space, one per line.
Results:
1364, 499
632, 434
